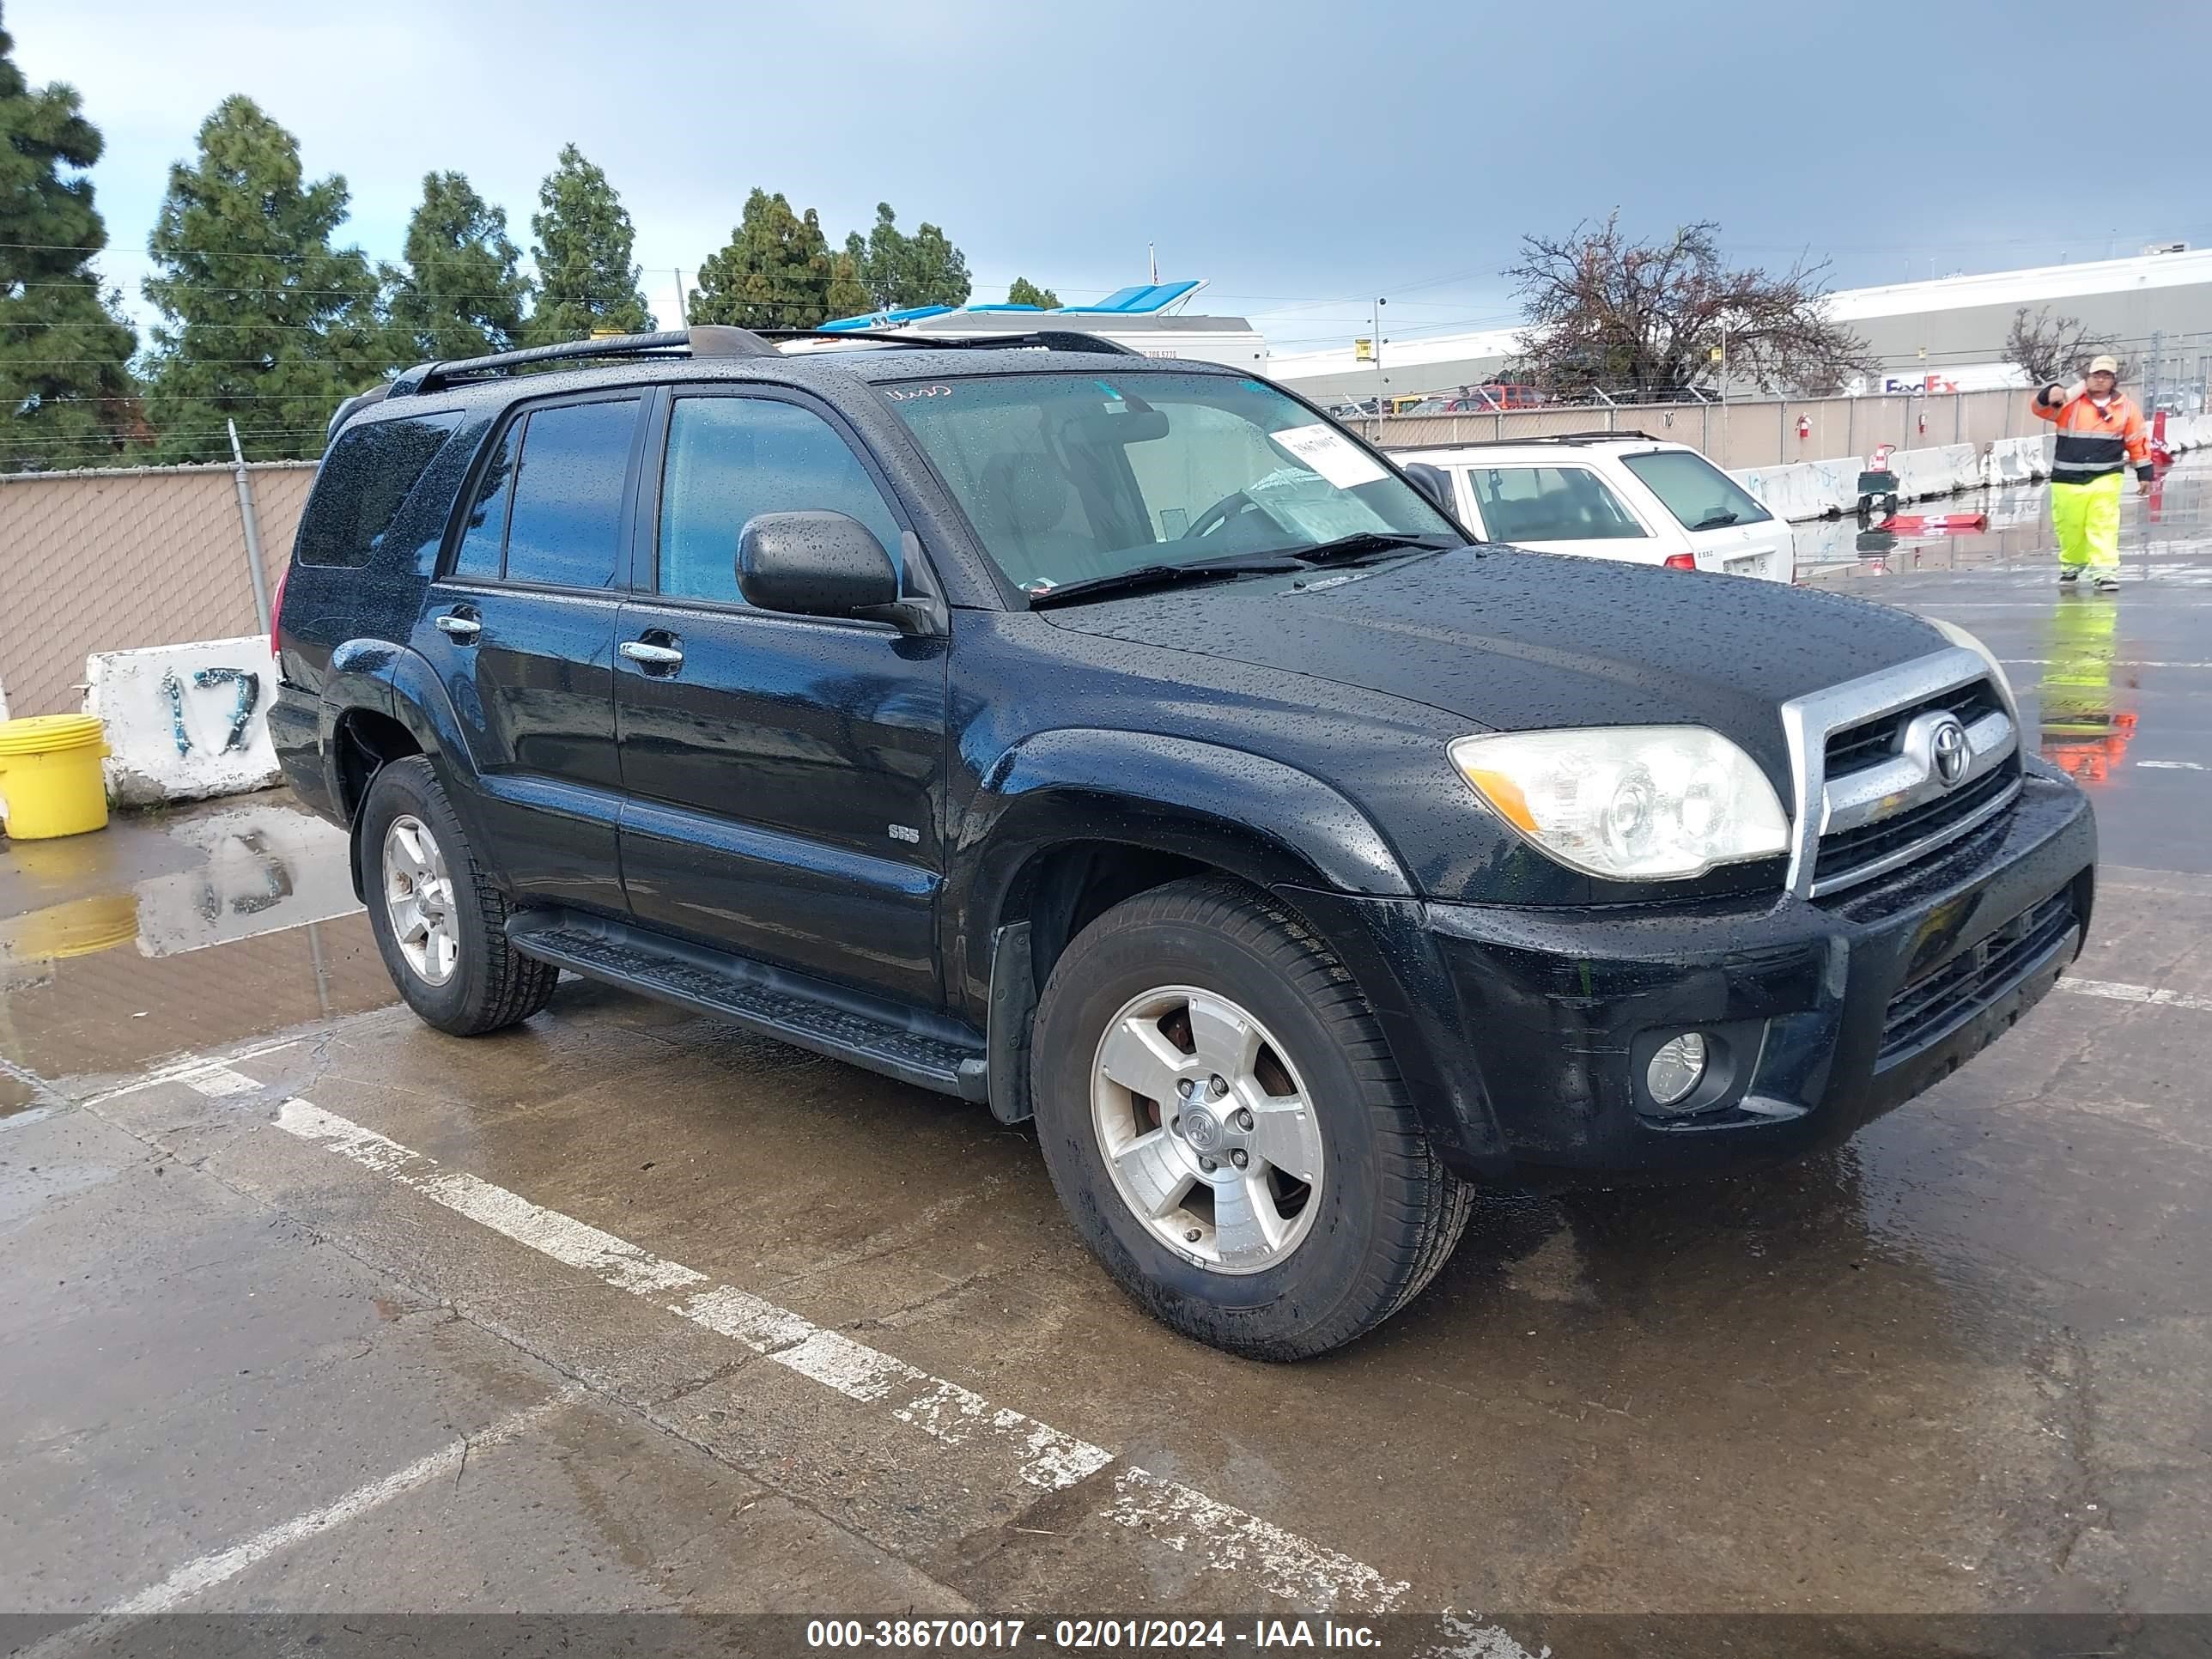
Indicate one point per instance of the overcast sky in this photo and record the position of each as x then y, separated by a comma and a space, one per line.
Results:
1302, 155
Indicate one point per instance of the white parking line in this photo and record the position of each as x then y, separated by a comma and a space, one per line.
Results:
2046, 662
2143, 994
197, 1576
2176, 766
1218, 1536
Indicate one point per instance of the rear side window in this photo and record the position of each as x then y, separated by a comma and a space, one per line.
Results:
1549, 504
548, 506
364, 479
1694, 490
732, 459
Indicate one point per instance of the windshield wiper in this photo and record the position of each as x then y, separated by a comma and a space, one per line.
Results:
1362, 541
1719, 520
1162, 575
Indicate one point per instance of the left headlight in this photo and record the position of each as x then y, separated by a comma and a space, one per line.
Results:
1960, 636
1632, 803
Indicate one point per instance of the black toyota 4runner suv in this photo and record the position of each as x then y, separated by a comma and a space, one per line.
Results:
1118, 743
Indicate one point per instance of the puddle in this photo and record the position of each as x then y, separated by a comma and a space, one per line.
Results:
178, 931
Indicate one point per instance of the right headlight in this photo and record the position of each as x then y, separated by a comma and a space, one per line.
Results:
1631, 803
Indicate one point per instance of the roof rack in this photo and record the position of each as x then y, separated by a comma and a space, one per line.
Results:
704, 340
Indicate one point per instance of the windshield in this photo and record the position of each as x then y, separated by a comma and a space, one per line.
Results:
1693, 489
1071, 477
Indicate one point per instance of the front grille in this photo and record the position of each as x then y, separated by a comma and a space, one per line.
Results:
1937, 1003
1846, 850
1869, 743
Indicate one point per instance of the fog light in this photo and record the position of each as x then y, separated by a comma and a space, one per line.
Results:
1676, 1068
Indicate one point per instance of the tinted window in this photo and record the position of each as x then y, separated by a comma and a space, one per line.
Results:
732, 459
364, 478
484, 533
1549, 504
1694, 490
566, 523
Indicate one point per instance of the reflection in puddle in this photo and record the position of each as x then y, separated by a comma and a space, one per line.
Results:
262, 868
242, 919
257, 870
2084, 722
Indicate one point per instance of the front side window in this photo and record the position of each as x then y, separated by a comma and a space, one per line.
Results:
363, 480
731, 459
1549, 504
1693, 489
565, 525
1070, 476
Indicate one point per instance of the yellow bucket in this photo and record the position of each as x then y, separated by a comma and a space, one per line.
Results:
50, 776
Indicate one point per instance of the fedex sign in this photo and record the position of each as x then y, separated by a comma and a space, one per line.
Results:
1926, 383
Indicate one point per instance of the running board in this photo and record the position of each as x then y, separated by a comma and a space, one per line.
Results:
915, 1047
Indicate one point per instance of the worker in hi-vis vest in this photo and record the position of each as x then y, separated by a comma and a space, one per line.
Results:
2100, 434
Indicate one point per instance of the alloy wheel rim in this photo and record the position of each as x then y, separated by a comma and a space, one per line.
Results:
1206, 1129
418, 897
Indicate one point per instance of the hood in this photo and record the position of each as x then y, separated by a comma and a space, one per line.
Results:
1514, 642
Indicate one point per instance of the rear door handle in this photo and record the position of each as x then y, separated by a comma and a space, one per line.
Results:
653, 656
463, 630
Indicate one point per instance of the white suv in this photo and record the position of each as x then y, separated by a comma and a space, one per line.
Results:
1610, 495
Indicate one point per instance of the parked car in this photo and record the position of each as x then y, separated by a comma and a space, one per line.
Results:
1491, 398
1611, 496
1120, 745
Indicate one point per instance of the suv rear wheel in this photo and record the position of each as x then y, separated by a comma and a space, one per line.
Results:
439, 923
1221, 1118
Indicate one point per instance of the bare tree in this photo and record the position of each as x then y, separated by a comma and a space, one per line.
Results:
1654, 319
2052, 349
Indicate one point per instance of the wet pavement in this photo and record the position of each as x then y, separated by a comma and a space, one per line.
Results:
625, 1309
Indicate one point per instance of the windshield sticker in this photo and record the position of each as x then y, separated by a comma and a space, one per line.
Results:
1330, 453
903, 394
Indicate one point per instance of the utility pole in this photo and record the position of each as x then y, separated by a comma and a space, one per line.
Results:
1382, 398
682, 301
2150, 383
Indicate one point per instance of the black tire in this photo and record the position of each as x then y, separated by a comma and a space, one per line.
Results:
492, 986
1388, 1213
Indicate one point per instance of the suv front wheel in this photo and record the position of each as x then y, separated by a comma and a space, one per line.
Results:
1221, 1118
441, 925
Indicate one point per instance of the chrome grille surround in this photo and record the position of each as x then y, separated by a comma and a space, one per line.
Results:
1900, 784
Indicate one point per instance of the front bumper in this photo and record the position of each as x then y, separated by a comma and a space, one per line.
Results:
1524, 1033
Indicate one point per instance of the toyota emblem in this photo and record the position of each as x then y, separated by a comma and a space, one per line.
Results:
1947, 746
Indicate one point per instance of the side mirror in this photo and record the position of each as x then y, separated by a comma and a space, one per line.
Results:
1433, 482
814, 564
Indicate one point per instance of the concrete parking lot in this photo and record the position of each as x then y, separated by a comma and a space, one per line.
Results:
307, 1308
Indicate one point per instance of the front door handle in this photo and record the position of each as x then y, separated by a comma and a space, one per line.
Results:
653, 656
463, 630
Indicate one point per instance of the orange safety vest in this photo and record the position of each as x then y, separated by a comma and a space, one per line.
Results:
2093, 442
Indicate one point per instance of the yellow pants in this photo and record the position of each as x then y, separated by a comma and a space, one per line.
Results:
2087, 520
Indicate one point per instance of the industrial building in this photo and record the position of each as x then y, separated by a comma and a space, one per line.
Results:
1940, 336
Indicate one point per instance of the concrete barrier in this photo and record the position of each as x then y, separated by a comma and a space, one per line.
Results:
1804, 489
1940, 470
184, 721
2014, 460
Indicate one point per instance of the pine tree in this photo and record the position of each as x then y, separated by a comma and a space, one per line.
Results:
585, 283
460, 294
846, 297
899, 270
776, 273
65, 385
1022, 292
264, 321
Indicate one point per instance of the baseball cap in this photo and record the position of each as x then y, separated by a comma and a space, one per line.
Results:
2104, 366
